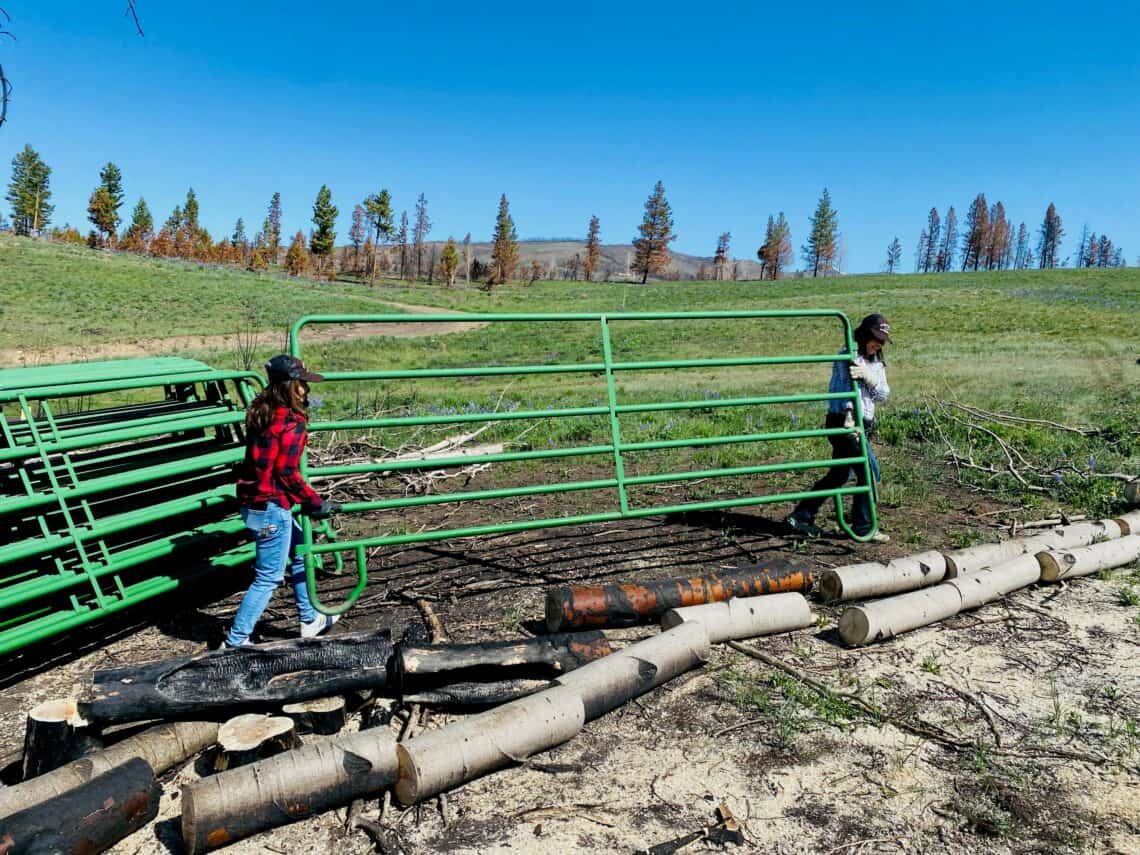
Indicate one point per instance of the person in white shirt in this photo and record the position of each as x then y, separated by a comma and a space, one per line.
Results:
868, 371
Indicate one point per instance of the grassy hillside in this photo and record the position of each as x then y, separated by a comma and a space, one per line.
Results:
1055, 345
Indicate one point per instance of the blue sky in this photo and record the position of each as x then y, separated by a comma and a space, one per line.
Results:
741, 109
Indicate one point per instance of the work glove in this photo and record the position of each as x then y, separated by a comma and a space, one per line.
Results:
325, 510
860, 373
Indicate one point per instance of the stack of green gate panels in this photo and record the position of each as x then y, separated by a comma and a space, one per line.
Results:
116, 484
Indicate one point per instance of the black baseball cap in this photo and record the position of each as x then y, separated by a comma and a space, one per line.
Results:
285, 367
877, 326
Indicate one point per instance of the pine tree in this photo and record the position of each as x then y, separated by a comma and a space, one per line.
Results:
449, 261
1022, 247
894, 254
933, 232
103, 206
977, 235
945, 257
651, 247
402, 242
593, 249
780, 252
1082, 247
1104, 251
174, 221
1090, 255
504, 246
819, 252
378, 210
720, 257
297, 258
190, 214
467, 258
271, 229
162, 246
141, 229
1051, 234
29, 193
765, 248
357, 234
323, 240
420, 232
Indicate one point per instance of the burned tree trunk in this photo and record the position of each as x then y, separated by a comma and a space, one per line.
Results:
265, 674
454, 670
55, 735
477, 694
89, 819
163, 748
253, 737
323, 715
624, 605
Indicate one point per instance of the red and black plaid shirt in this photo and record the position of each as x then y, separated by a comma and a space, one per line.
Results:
271, 471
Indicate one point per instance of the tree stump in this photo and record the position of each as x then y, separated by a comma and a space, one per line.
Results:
56, 734
252, 737
323, 715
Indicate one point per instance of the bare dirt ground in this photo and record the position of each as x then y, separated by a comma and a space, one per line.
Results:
97, 350
1004, 730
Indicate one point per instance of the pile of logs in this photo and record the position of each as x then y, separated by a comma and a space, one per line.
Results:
275, 718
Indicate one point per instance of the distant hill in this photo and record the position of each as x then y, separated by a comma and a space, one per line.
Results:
616, 258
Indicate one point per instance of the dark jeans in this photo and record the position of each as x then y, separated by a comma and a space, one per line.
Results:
843, 445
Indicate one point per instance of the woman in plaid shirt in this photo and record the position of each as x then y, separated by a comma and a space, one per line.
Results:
269, 484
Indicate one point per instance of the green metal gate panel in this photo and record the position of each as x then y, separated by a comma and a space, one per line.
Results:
607, 368
115, 483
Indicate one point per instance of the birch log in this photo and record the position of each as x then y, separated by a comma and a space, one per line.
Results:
234, 804
977, 589
1130, 522
607, 683
441, 759
745, 617
986, 555
863, 581
163, 747
1070, 563
891, 616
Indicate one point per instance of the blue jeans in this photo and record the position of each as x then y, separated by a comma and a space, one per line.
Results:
842, 446
278, 536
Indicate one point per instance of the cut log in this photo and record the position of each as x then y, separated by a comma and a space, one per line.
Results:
226, 807
977, 589
324, 715
162, 747
625, 605
544, 656
608, 683
863, 581
262, 675
1067, 564
91, 818
891, 616
477, 694
441, 759
1130, 522
55, 735
251, 737
745, 617
985, 555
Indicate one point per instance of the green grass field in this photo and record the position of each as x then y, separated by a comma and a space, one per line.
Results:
1055, 345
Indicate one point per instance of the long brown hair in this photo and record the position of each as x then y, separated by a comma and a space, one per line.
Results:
291, 394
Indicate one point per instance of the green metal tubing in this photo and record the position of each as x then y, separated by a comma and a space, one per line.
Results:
497, 493
226, 417
94, 486
218, 497
93, 387
443, 462
167, 423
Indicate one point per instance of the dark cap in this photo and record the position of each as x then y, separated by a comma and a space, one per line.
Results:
877, 326
285, 367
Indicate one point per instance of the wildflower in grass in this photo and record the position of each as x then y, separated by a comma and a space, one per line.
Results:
1058, 477
1092, 463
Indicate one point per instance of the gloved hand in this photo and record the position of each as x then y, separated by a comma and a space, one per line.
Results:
860, 373
326, 510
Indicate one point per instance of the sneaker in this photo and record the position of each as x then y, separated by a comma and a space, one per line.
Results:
227, 646
879, 537
803, 527
318, 625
